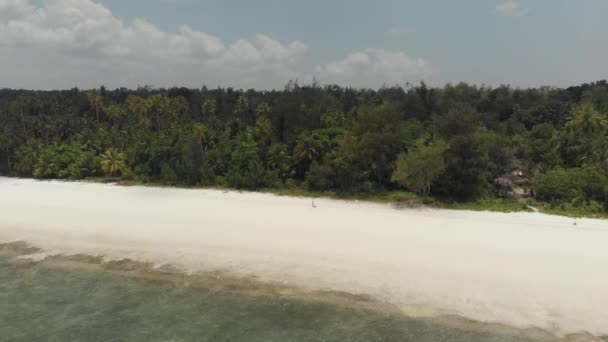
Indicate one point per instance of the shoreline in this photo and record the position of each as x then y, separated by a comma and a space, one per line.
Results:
21, 253
517, 269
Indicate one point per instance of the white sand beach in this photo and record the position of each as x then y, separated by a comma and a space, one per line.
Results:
523, 269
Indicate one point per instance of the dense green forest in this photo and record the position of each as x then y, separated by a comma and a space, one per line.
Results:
450, 142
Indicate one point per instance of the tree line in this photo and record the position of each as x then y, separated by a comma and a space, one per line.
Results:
450, 142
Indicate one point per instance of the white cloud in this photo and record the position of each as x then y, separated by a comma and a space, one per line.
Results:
511, 8
85, 34
66, 43
374, 68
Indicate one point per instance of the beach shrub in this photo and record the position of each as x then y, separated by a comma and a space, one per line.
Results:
574, 186
417, 169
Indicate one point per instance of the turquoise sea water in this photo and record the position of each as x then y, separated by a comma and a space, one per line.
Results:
41, 302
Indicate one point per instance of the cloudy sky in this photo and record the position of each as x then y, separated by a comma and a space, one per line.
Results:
263, 44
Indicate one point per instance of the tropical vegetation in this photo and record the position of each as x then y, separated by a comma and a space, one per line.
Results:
450, 143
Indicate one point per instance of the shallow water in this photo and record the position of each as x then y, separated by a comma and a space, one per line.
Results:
43, 302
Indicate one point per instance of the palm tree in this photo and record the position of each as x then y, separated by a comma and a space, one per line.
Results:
138, 106
27, 156
307, 149
280, 159
263, 128
203, 136
199, 132
242, 105
587, 119
161, 105
6, 141
95, 101
179, 107
113, 162
45, 166
116, 112
219, 166
18, 106
263, 110
209, 107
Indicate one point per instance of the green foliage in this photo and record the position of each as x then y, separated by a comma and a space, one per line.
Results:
58, 161
311, 147
194, 167
27, 157
242, 105
113, 162
246, 168
280, 159
116, 112
542, 148
322, 139
167, 174
138, 106
585, 187
263, 110
45, 166
363, 159
263, 129
209, 107
468, 164
200, 132
417, 169
95, 102
490, 204
335, 119
587, 119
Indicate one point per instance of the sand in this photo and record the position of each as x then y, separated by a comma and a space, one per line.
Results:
521, 269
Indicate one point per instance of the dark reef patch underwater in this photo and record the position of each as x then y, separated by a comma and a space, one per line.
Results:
83, 298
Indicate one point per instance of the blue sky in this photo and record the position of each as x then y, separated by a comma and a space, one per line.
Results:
363, 43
